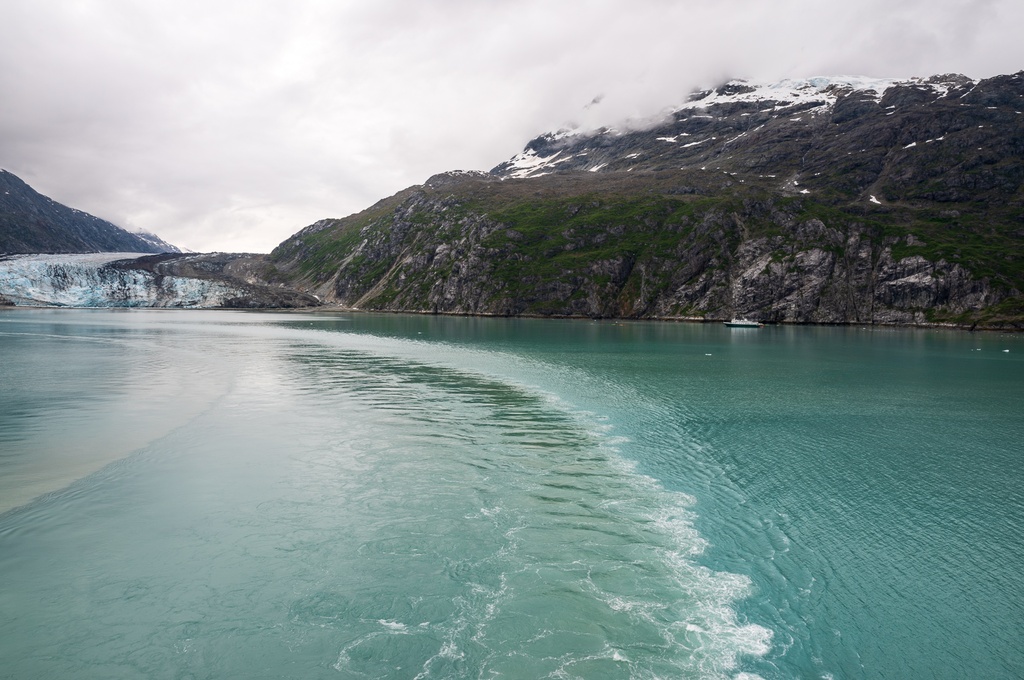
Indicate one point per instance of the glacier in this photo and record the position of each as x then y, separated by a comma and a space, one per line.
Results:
103, 280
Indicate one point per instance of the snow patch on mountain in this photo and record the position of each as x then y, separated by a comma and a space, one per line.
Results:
529, 164
790, 92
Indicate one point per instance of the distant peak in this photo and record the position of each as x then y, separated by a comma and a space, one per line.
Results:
444, 178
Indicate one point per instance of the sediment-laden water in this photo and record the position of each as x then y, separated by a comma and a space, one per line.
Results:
213, 494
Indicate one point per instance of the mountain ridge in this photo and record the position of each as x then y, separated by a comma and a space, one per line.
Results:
33, 223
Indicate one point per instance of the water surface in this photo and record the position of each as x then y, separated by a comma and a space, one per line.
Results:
215, 494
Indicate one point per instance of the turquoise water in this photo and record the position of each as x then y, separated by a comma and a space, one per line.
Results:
216, 494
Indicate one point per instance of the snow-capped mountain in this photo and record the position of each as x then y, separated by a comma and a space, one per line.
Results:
789, 127
839, 200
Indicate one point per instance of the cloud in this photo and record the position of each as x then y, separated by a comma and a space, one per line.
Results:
231, 125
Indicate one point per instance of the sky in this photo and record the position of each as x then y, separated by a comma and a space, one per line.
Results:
225, 125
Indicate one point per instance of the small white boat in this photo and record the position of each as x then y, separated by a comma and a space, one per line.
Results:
743, 323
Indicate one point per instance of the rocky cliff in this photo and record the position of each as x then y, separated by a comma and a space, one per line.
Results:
822, 201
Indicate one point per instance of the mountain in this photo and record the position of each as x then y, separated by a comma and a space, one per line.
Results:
827, 200
33, 223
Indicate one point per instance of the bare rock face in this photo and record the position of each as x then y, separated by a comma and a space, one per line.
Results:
713, 265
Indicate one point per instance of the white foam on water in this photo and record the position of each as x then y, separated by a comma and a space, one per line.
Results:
669, 514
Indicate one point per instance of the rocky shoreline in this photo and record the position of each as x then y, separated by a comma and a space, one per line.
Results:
1006, 327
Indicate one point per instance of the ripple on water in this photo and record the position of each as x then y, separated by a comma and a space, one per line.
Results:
377, 516
585, 566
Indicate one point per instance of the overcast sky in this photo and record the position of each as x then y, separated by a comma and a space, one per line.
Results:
223, 125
